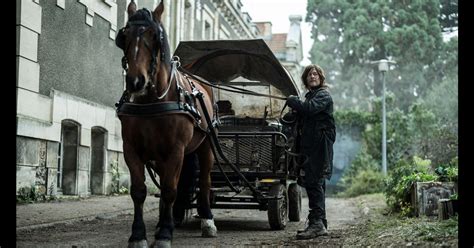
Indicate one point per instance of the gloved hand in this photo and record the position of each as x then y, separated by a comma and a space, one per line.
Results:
293, 101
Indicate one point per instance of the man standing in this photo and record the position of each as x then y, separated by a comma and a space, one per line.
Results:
318, 134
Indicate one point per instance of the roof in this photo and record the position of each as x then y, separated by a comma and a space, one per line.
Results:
224, 60
278, 43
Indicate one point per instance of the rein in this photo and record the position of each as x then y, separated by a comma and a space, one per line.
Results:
174, 65
233, 88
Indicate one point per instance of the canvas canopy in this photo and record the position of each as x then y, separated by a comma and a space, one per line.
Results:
221, 61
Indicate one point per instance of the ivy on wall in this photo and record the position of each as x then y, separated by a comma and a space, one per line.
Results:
350, 118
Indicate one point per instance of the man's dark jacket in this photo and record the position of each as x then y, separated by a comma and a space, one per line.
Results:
318, 133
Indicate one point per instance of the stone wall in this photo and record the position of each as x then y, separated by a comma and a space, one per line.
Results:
426, 195
36, 165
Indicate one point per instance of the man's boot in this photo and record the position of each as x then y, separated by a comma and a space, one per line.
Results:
314, 229
311, 219
302, 230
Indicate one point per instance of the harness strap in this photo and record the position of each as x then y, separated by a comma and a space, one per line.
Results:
215, 144
174, 65
159, 109
152, 174
151, 109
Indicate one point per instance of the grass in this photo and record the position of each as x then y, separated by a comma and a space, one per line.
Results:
383, 228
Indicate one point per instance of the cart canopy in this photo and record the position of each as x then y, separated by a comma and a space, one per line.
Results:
221, 61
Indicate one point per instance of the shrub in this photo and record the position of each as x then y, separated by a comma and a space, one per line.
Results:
401, 179
366, 181
362, 177
449, 172
28, 195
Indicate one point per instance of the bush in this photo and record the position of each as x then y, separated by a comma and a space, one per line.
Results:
366, 181
449, 172
362, 177
354, 118
401, 179
29, 195
361, 162
442, 146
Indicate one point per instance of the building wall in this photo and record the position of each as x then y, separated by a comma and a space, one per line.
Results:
76, 57
69, 73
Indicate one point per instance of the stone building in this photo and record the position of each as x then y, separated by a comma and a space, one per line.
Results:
69, 77
287, 47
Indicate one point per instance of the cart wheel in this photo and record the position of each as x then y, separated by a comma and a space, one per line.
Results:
278, 208
183, 217
294, 202
179, 215
182, 213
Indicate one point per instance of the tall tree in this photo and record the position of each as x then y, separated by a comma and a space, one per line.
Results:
350, 33
449, 15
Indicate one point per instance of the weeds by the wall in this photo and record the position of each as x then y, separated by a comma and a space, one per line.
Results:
27, 195
116, 187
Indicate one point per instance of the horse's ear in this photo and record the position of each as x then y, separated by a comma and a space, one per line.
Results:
132, 8
158, 11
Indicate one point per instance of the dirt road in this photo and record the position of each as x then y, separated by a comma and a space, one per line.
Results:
247, 228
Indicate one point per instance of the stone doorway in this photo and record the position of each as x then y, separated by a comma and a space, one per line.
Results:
98, 160
67, 171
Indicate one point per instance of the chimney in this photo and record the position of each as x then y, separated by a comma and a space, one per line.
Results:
295, 19
264, 30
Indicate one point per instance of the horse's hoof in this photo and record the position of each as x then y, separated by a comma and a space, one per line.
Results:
161, 244
138, 244
208, 229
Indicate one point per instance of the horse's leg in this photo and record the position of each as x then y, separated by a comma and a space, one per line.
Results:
206, 160
169, 183
138, 194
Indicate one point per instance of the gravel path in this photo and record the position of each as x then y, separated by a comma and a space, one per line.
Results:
106, 222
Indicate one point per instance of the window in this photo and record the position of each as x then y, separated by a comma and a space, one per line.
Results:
207, 31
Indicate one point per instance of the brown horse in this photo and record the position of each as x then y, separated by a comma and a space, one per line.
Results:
160, 119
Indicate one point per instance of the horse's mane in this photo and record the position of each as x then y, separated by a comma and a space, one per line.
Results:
165, 46
145, 14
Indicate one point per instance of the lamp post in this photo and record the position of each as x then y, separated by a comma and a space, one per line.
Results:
383, 67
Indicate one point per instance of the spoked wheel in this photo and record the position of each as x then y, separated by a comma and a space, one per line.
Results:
294, 202
278, 208
181, 210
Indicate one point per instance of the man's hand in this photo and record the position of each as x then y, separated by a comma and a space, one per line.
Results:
293, 101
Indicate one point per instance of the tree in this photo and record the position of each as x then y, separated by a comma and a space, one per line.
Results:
350, 33
421, 88
449, 15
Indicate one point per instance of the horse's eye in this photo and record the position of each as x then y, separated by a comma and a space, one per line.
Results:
125, 32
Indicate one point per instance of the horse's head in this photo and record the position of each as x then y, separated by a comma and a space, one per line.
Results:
146, 50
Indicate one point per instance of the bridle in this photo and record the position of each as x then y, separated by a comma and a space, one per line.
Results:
184, 103
147, 23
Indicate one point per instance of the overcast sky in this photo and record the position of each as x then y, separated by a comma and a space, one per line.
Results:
278, 12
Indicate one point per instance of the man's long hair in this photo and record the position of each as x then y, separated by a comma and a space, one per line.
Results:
320, 72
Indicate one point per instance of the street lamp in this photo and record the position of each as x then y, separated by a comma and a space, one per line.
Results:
383, 67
